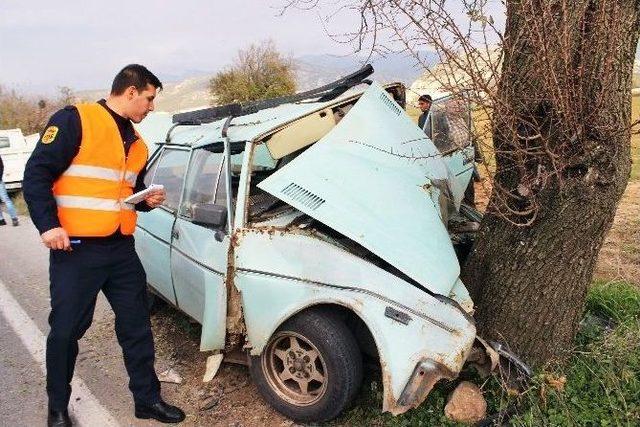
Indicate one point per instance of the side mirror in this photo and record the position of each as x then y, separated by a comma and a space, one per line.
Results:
209, 215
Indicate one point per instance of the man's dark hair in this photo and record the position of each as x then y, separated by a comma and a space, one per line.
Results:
425, 98
134, 75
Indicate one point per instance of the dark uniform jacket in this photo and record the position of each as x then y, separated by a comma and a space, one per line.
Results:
421, 123
49, 161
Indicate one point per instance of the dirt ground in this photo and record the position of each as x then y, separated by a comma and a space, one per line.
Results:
230, 399
620, 255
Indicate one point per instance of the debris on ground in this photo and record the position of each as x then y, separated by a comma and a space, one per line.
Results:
237, 386
466, 404
170, 376
177, 342
619, 258
483, 358
213, 364
555, 382
211, 399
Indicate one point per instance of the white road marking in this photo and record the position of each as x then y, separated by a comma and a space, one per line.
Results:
87, 410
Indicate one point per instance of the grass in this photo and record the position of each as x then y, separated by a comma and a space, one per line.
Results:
603, 375
598, 386
618, 301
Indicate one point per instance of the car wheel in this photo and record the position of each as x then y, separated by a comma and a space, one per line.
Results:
311, 368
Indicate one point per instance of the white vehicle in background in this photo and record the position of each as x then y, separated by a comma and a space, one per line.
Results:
15, 150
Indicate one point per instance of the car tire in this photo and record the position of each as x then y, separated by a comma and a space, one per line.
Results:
314, 348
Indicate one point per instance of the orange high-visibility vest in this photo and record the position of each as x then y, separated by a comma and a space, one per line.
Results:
90, 193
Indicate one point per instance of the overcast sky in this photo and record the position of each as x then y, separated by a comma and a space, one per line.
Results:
83, 43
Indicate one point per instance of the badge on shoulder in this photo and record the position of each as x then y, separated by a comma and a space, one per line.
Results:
49, 135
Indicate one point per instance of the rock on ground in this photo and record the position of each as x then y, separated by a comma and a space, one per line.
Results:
466, 404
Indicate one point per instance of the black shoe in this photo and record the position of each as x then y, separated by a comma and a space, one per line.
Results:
160, 411
2, 222
15, 222
59, 419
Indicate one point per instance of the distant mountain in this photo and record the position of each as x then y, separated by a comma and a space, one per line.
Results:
316, 70
192, 92
190, 89
187, 94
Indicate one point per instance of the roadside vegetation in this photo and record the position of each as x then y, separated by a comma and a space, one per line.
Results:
30, 113
259, 72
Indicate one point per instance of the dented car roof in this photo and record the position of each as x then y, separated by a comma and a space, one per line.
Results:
253, 126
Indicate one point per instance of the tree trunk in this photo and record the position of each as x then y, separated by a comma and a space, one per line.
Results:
562, 142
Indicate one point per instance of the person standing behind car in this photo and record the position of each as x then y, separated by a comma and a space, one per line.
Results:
424, 122
433, 123
4, 197
88, 160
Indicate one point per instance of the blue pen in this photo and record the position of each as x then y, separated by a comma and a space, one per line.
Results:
75, 242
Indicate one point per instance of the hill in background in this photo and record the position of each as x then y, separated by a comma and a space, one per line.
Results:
311, 71
190, 89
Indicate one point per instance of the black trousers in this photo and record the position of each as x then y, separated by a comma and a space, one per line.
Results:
76, 278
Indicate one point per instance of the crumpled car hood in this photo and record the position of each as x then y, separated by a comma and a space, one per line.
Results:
372, 178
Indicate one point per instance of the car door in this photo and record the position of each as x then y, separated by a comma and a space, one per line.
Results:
199, 250
451, 133
154, 228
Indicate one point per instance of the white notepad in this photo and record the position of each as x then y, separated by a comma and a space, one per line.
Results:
141, 195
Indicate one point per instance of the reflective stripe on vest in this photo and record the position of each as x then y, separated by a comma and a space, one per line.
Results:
97, 172
90, 193
93, 203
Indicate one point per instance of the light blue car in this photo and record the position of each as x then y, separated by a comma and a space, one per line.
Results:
313, 234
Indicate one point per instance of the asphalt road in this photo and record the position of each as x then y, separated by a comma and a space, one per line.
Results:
100, 394
24, 274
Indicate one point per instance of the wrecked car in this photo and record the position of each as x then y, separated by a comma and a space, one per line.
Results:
310, 232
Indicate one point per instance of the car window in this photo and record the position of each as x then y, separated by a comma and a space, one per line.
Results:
201, 180
4, 142
450, 124
151, 170
170, 172
221, 192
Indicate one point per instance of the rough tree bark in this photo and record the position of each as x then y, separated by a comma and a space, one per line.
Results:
529, 282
